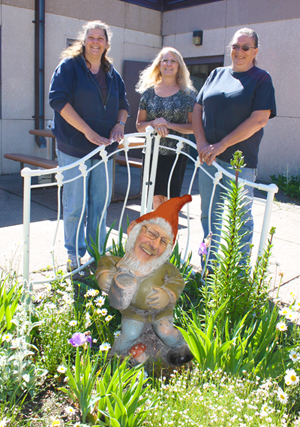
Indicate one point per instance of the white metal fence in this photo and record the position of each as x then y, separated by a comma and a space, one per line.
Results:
149, 141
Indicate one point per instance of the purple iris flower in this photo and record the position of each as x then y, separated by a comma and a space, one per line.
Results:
79, 339
202, 249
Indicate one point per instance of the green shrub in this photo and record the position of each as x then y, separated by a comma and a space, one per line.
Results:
290, 185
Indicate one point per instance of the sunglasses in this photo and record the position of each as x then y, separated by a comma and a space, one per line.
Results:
244, 47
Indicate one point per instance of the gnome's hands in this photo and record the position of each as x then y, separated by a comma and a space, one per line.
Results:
158, 299
104, 279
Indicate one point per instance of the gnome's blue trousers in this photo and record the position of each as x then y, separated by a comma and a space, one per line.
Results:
132, 329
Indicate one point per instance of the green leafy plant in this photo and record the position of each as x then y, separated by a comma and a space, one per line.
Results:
21, 371
56, 313
233, 280
125, 403
289, 184
82, 383
113, 392
9, 299
236, 347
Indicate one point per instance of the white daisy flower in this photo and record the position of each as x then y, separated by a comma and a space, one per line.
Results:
108, 318
291, 377
281, 326
100, 301
282, 396
104, 312
70, 410
39, 298
3, 422
61, 369
48, 287
297, 304
284, 311
105, 346
291, 316
17, 342
67, 299
92, 293
73, 323
117, 334
6, 337
294, 356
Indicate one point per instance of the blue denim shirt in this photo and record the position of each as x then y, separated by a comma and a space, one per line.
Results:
73, 83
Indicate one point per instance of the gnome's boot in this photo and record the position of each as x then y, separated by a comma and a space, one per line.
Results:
179, 355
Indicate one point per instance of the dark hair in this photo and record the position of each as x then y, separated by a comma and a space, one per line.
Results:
77, 48
249, 33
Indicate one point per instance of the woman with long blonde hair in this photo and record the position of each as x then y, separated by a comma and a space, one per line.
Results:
167, 102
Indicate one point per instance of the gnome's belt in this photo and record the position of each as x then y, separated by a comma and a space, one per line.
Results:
150, 315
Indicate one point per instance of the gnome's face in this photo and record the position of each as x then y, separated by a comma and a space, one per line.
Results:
151, 242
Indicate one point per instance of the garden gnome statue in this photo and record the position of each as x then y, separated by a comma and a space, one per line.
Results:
144, 286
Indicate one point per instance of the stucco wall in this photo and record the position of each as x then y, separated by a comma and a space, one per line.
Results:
130, 41
138, 35
277, 24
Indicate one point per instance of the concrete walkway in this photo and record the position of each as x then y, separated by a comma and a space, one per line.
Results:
285, 217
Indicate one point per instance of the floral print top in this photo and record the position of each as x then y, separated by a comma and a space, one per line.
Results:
174, 109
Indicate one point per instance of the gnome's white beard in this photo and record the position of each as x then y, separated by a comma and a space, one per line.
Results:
130, 261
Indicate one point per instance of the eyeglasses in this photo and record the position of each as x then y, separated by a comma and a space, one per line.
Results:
166, 61
153, 235
244, 47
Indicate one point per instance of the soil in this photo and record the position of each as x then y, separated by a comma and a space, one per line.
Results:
49, 405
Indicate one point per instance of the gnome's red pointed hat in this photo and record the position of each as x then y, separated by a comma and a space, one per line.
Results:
168, 212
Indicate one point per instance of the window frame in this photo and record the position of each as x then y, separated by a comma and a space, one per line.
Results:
167, 5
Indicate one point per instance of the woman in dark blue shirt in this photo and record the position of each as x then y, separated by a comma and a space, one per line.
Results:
232, 108
90, 109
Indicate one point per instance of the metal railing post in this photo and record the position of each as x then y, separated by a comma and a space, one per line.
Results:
267, 218
26, 221
152, 178
146, 170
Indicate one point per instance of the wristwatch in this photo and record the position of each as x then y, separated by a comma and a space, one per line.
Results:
121, 123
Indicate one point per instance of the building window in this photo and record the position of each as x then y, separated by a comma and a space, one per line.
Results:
165, 5
70, 42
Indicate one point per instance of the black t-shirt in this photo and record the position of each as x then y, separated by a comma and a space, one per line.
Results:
228, 98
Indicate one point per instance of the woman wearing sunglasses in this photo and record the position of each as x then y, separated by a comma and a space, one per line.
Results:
231, 111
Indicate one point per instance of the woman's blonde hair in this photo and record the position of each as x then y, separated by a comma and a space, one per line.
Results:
78, 48
152, 75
